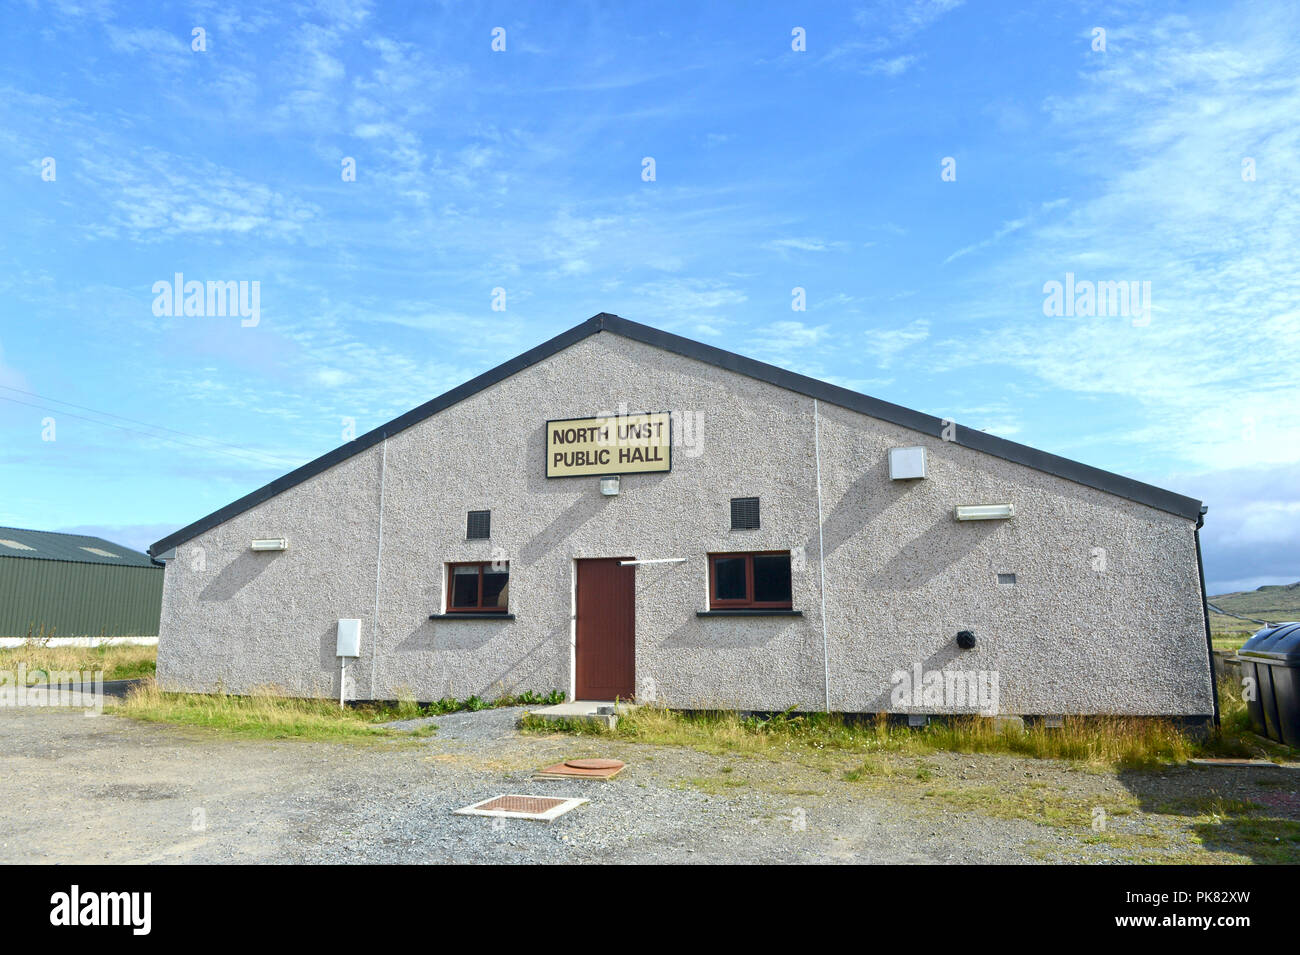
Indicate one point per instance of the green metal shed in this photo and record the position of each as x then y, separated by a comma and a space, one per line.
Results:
71, 585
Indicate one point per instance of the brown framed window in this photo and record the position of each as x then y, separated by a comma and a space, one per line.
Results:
759, 580
482, 587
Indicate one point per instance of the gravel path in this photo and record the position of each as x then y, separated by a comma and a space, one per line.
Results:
107, 789
478, 727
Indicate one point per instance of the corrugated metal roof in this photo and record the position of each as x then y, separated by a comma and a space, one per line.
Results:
80, 548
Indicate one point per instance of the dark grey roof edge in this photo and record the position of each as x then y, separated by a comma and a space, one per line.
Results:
833, 394
1084, 474
371, 438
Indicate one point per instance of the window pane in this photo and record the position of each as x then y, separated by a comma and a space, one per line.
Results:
772, 578
464, 586
729, 572
495, 588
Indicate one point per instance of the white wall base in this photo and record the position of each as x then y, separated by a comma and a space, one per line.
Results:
8, 642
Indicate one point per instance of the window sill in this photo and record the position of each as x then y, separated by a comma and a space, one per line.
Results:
749, 613
471, 616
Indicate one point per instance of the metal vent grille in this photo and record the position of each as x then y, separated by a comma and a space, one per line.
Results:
479, 525
542, 808
532, 805
744, 513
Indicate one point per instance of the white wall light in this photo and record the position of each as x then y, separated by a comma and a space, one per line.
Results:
984, 512
272, 543
609, 486
906, 464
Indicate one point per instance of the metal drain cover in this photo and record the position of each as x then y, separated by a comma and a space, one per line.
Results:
544, 808
594, 763
581, 769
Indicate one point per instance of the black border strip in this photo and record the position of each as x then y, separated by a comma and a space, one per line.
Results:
1205, 616
375, 436
1084, 474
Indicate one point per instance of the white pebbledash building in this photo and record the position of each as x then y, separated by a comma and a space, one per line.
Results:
624, 513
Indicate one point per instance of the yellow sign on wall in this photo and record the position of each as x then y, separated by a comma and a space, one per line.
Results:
617, 444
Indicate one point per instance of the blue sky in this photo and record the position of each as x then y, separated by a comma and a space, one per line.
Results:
522, 170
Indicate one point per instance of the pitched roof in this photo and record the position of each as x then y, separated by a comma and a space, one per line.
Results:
832, 394
77, 548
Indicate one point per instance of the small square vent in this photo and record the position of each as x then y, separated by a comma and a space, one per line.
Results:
479, 525
1009, 579
744, 513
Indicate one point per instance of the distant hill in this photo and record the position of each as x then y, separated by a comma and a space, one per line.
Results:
1273, 603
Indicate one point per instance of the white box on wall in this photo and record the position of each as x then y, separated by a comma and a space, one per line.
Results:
906, 464
349, 639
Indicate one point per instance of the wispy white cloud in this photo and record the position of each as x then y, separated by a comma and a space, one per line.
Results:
1169, 205
791, 344
884, 27
886, 344
804, 244
904, 19
1008, 227
522, 171
688, 297
164, 47
892, 66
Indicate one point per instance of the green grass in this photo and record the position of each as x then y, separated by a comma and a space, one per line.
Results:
262, 715
118, 662
1269, 841
269, 714
1230, 641
408, 709
1115, 742
1108, 741
1039, 804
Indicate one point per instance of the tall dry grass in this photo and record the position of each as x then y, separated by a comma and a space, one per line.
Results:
118, 661
1104, 741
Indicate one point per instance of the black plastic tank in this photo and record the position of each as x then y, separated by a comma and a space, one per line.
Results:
1271, 658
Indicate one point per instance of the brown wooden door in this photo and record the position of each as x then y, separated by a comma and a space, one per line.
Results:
606, 637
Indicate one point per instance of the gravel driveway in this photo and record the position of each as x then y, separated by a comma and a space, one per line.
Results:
106, 789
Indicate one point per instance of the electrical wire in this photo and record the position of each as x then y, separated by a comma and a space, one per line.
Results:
1238, 616
242, 454
109, 414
